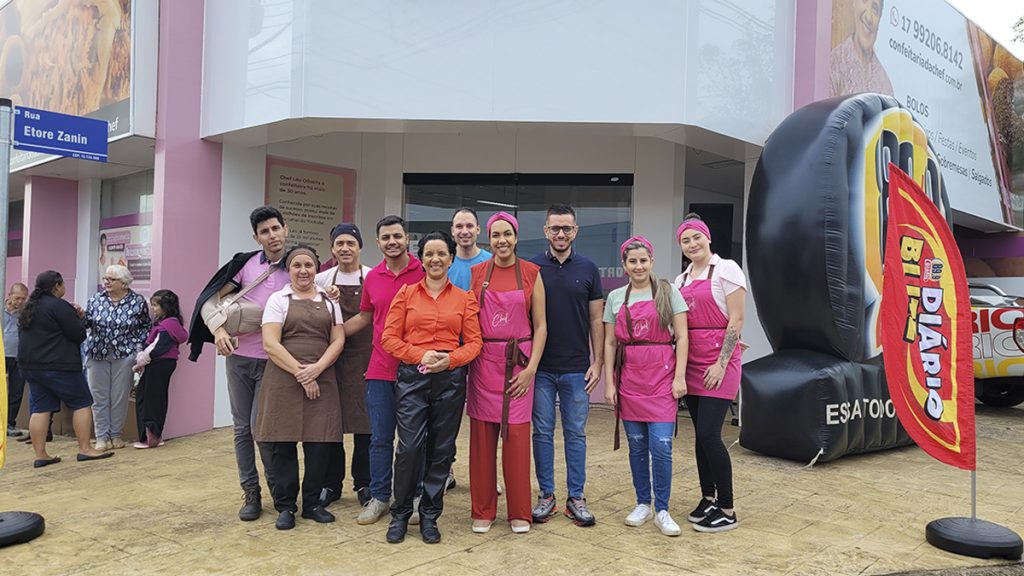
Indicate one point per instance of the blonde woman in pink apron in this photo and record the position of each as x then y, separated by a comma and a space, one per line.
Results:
647, 337
500, 392
714, 290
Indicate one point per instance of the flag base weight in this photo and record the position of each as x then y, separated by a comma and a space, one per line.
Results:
20, 527
972, 537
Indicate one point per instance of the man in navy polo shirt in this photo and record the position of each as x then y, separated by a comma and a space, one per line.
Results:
575, 307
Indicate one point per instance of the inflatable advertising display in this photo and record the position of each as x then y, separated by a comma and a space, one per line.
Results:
816, 226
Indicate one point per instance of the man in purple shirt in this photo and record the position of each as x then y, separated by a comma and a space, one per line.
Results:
245, 357
379, 287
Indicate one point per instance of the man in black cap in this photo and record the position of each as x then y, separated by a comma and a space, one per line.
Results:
345, 281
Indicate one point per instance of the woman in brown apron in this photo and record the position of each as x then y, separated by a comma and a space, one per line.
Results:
344, 284
303, 336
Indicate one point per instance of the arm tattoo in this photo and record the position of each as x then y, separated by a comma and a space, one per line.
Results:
731, 339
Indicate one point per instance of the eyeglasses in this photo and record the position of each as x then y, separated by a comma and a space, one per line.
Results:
109, 279
555, 230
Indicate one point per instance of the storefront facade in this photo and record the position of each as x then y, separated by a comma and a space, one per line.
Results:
634, 113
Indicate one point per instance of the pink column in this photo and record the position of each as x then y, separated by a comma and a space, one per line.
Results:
813, 44
50, 231
186, 215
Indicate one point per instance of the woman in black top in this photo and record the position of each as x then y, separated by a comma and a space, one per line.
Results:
51, 362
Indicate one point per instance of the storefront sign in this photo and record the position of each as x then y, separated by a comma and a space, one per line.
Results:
312, 198
926, 327
72, 57
60, 134
963, 88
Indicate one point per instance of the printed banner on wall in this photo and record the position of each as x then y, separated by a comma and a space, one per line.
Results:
966, 90
926, 327
312, 198
129, 246
72, 57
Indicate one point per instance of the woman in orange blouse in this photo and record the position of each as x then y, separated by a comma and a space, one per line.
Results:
423, 330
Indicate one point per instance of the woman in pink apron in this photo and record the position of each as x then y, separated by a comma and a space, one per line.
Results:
647, 338
714, 290
500, 391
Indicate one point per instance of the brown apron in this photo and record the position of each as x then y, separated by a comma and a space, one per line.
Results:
352, 364
285, 414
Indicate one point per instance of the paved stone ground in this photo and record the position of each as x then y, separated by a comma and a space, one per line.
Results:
173, 511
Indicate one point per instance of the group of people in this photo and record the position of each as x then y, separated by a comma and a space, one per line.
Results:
397, 351
88, 359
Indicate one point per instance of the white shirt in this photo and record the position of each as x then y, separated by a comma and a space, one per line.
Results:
276, 309
728, 278
325, 278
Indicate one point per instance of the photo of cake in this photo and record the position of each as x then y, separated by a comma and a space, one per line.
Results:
69, 56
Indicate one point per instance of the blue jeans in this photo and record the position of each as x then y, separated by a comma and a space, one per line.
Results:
650, 454
574, 403
380, 406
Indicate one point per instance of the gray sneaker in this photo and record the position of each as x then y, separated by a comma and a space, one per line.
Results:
545, 509
576, 510
373, 510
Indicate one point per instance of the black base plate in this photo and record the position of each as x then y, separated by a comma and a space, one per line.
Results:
977, 538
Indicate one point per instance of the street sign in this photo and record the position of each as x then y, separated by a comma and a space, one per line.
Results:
60, 134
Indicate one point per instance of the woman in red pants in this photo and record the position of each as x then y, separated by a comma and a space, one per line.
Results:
500, 392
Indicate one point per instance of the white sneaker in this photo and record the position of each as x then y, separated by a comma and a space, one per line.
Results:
373, 511
102, 445
415, 518
641, 514
666, 524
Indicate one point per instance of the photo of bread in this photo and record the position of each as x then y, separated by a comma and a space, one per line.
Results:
69, 56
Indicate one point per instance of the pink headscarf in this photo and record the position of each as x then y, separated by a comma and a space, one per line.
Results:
507, 218
693, 224
640, 239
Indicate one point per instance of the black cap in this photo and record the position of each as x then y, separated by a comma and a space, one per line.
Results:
347, 228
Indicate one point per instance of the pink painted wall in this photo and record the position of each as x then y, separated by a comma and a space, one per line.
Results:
14, 273
813, 37
187, 176
51, 230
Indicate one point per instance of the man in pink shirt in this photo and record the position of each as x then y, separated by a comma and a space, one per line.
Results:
245, 358
379, 287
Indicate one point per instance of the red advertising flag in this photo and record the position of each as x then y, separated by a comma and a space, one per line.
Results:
926, 326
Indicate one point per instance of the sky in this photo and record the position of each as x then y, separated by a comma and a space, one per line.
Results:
995, 17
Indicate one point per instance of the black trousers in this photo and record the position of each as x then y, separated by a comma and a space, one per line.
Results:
283, 459
360, 464
151, 397
714, 467
429, 413
15, 391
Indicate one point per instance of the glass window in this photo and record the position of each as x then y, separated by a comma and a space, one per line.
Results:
602, 202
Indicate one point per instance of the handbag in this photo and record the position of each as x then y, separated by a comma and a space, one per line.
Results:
235, 315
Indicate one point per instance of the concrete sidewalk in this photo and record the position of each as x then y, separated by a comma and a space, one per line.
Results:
173, 510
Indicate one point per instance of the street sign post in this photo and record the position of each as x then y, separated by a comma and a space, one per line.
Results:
60, 134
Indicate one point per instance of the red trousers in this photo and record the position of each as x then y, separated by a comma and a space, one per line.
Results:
515, 460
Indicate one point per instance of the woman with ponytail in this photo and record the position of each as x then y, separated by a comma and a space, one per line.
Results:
714, 289
51, 362
647, 337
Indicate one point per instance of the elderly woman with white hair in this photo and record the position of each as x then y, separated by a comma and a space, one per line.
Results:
118, 322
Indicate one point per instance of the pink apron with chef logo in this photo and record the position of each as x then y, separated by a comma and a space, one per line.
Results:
648, 364
707, 326
508, 338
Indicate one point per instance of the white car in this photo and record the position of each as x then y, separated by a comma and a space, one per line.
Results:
997, 326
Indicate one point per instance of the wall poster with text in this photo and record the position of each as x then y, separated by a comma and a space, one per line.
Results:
128, 244
313, 198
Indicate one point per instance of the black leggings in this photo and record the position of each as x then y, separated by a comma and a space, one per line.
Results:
713, 464
151, 397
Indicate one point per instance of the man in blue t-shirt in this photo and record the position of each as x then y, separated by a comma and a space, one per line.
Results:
575, 307
465, 229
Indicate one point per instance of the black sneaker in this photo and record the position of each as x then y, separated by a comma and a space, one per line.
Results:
545, 509
450, 484
252, 506
328, 497
364, 495
716, 521
285, 520
701, 511
576, 510
318, 514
